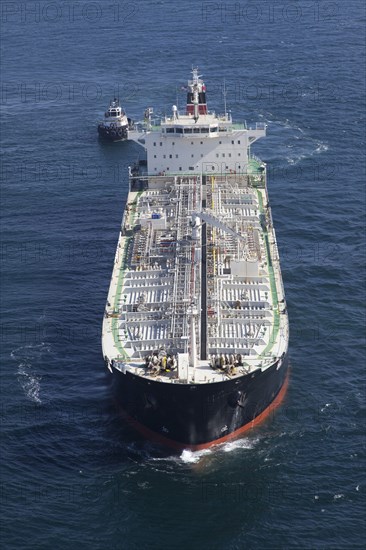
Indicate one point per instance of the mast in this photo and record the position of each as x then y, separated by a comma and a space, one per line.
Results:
224, 93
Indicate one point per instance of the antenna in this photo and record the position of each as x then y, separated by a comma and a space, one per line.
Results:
225, 92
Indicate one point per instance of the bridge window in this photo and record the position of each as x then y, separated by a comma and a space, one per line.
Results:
188, 130
239, 141
196, 130
179, 130
170, 130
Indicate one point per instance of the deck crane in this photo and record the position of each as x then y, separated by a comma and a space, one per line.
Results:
215, 222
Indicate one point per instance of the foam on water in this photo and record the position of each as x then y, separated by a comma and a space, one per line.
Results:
291, 136
29, 381
242, 444
27, 374
193, 457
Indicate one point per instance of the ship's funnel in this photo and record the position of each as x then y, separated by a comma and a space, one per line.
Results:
196, 96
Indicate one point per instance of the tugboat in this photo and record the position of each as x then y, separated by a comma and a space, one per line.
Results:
116, 124
195, 331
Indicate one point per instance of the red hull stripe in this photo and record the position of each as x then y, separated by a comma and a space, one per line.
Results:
162, 440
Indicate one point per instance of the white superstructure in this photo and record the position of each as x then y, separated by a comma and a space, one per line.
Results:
197, 141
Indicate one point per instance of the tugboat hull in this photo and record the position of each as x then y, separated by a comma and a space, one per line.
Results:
196, 416
118, 134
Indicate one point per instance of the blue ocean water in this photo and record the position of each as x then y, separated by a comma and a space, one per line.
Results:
73, 475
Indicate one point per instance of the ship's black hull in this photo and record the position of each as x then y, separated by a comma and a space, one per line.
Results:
198, 415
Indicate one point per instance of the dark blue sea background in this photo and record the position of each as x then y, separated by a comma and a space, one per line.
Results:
74, 476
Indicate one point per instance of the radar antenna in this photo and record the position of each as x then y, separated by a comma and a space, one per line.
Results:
224, 94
